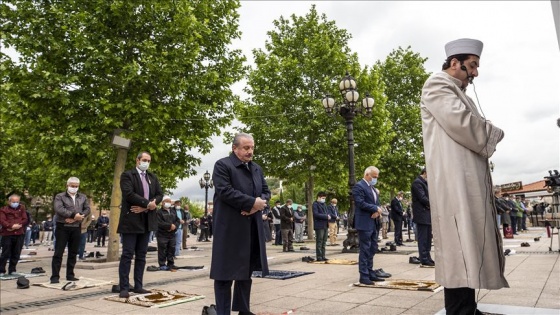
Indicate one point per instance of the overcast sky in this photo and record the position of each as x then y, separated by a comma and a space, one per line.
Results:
518, 85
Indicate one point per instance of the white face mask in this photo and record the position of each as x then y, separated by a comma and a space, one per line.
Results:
177, 208
72, 190
322, 200
143, 166
166, 205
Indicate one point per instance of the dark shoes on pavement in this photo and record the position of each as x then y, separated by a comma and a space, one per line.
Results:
429, 264
414, 260
38, 270
72, 279
124, 294
380, 273
307, 259
525, 244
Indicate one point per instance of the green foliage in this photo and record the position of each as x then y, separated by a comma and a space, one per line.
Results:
304, 58
158, 71
196, 209
403, 75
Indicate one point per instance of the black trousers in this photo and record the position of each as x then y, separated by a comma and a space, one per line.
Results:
65, 236
133, 245
166, 249
424, 242
11, 250
459, 301
278, 232
398, 231
241, 296
101, 234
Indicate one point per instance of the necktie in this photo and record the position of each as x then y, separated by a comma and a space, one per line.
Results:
145, 185
373, 192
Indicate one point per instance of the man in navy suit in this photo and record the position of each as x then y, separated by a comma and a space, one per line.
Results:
397, 216
241, 193
141, 193
422, 217
367, 209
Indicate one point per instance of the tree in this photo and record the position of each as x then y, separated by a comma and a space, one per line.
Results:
158, 72
403, 75
305, 57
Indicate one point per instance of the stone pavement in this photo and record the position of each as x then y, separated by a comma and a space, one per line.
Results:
533, 274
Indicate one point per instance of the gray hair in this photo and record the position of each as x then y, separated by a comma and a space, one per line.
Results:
139, 156
240, 135
75, 180
371, 169
13, 195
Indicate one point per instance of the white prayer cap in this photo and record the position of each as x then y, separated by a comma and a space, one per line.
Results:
464, 46
166, 198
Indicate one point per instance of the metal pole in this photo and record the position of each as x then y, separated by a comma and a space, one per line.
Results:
351, 242
115, 210
206, 200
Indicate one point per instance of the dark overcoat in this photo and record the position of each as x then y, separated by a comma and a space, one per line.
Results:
236, 189
420, 201
286, 214
365, 205
396, 210
133, 195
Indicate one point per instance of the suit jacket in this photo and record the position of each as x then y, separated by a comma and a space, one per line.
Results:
396, 209
420, 201
133, 195
366, 202
286, 214
236, 189
333, 211
320, 216
165, 219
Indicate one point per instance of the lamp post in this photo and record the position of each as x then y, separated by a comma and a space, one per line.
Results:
205, 183
348, 109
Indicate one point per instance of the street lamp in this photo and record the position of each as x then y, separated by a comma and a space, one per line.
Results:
205, 183
349, 108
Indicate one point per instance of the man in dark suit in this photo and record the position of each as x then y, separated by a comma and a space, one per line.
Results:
397, 216
239, 249
367, 210
286, 221
422, 217
141, 193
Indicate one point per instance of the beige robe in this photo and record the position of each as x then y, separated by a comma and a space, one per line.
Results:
457, 144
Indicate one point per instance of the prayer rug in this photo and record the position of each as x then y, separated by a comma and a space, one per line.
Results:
16, 275
21, 261
335, 262
157, 298
83, 283
281, 274
413, 285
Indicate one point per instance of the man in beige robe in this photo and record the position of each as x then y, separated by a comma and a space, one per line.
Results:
458, 141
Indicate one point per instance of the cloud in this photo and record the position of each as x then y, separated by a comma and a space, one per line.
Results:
518, 83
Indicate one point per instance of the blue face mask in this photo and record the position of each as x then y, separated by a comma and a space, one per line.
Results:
373, 181
14, 204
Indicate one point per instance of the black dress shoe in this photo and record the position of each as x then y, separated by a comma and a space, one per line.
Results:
376, 279
72, 279
246, 313
53, 281
381, 274
366, 282
414, 260
124, 294
141, 291
428, 264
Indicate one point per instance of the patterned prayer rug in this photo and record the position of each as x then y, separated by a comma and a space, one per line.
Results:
413, 285
157, 298
65, 285
281, 274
